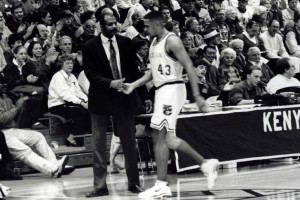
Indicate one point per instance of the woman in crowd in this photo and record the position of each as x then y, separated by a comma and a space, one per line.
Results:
67, 99
229, 75
37, 69
13, 71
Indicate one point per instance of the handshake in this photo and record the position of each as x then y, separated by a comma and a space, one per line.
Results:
120, 86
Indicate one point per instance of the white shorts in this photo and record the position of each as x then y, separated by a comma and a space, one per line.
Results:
169, 100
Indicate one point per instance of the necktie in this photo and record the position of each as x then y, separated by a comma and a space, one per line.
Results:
113, 61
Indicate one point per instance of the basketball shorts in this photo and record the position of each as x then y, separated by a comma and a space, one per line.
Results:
169, 100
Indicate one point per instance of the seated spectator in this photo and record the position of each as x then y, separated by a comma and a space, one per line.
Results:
21, 142
166, 13
143, 33
245, 91
85, 17
142, 7
290, 12
192, 25
66, 25
142, 52
14, 40
204, 17
5, 172
37, 70
212, 74
131, 31
66, 47
222, 27
186, 11
244, 13
187, 41
66, 99
40, 33
251, 38
291, 38
229, 75
238, 45
284, 78
275, 12
254, 58
13, 71
4, 31
274, 45
212, 38
173, 26
233, 21
89, 27
260, 16
205, 89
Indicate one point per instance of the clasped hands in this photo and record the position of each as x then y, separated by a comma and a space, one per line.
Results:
120, 86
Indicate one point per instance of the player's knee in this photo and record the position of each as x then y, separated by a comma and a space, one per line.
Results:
173, 142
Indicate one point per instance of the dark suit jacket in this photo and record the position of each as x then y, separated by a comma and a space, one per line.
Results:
102, 98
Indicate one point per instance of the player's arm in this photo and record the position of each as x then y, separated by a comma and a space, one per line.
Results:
175, 46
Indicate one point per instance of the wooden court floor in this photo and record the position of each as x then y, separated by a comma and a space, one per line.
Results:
275, 180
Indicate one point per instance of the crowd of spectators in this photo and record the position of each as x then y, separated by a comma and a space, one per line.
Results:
240, 48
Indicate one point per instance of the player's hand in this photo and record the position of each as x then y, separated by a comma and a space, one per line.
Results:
201, 103
118, 84
148, 106
129, 88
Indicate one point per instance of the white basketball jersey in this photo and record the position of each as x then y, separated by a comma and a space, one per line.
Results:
164, 68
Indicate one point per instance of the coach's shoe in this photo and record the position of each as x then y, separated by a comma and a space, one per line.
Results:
159, 190
210, 169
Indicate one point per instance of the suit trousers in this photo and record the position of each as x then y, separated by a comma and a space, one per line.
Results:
123, 124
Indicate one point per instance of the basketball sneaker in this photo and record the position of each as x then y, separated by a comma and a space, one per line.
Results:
159, 190
210, 170
4, 191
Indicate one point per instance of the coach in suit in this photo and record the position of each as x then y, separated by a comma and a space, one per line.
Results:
108, 60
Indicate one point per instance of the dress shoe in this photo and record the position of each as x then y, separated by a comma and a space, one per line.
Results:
68, 170
97, 193
135, 189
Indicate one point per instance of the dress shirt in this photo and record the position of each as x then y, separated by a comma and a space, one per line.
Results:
64, 88
106, 45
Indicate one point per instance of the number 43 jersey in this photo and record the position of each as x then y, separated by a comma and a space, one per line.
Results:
164, 68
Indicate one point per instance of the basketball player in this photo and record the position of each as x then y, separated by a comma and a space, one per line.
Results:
167, 59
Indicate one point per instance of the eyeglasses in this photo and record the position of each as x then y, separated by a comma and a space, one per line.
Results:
90, 27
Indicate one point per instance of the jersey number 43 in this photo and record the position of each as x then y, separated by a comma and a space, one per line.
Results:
164, 71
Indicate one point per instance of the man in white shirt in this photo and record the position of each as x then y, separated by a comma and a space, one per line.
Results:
273, 43
284, 78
